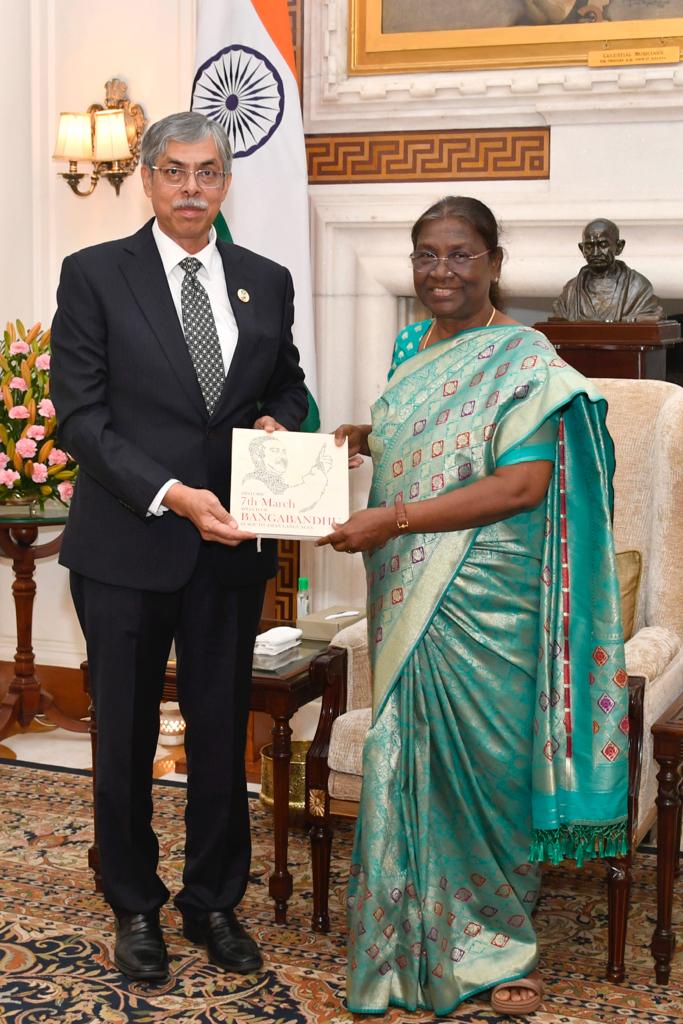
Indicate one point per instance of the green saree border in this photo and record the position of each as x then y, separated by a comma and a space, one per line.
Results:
396, 647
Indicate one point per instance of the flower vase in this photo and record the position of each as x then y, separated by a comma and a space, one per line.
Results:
17, 499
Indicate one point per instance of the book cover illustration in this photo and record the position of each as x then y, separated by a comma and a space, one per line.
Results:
286, 484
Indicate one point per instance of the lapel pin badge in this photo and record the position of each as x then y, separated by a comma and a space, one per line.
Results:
243, 295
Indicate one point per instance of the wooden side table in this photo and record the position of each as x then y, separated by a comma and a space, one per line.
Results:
25, 698
279, 693
668, 752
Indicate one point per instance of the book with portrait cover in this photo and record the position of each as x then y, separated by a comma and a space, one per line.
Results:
287, 484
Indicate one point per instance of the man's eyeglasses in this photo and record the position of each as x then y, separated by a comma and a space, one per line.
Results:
176, 177
424, 262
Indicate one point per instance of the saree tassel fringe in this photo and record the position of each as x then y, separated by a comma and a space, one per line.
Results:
579, 843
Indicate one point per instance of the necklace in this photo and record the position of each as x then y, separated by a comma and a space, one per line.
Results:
424, 341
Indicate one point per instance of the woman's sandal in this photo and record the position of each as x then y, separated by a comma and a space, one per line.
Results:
521, 1007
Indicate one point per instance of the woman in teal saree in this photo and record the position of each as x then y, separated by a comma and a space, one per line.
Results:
500, 715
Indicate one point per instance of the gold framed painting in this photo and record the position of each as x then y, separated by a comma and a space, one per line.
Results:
389, 36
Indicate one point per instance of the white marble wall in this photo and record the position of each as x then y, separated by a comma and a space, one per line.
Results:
616, 151
57, 55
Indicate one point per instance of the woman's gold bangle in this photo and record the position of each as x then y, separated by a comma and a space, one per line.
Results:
401, 516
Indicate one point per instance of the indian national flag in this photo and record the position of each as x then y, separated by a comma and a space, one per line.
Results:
246, 80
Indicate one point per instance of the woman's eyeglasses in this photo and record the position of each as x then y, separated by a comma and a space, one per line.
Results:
176, 177
424, 262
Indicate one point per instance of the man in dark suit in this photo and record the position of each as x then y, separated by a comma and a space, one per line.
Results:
161, 344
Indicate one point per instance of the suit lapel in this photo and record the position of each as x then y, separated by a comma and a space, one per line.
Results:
143, 270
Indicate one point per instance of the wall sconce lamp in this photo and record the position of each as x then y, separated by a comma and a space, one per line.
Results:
108, 136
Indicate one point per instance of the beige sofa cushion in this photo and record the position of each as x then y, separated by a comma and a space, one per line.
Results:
650, 651
347, 739
358, 677
345, 787
645, 417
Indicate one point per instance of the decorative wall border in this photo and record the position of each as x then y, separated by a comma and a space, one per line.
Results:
280, 599
490, 154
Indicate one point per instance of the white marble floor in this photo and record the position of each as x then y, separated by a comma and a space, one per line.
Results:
43, 744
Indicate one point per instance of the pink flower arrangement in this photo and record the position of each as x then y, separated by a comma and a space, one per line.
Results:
26, 447
46, 408
31, 464
8, 478
57, 458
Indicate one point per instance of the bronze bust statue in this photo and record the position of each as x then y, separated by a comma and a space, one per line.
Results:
606, 288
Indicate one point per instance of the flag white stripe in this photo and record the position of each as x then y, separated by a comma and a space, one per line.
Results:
252, 90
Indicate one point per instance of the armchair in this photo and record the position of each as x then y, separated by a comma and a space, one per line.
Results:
645, 419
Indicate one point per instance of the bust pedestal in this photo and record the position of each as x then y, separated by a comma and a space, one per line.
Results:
597, 349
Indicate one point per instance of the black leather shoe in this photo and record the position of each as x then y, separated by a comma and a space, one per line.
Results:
227, 942
140, 951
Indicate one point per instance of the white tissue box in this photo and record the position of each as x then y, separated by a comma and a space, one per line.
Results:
326, 623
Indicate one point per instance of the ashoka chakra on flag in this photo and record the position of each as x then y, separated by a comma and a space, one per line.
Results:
240, 88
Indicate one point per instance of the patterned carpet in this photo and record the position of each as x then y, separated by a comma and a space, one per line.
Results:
56, 935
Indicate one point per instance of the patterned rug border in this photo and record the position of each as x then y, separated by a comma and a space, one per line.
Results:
17, 762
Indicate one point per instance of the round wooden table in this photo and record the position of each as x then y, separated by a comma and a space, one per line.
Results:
19, 526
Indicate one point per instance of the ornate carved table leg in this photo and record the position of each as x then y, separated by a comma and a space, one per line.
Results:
94, 851
25, 699
332, 669
677, 871
664, 939
22, 700
668, 752
280, 884
619, 868
618, 897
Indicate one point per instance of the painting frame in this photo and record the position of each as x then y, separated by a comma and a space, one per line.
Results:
374, 52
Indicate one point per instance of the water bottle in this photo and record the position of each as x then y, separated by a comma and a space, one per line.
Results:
303, 598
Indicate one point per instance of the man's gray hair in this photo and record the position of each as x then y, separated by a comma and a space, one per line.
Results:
186, 126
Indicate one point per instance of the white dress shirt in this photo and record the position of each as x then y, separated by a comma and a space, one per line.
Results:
212, 276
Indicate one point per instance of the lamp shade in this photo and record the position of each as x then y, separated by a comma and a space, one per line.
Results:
111, 141
74, 137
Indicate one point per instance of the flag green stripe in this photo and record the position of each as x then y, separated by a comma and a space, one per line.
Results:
222, 229
312, 420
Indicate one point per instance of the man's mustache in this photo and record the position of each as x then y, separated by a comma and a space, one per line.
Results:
191, 202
